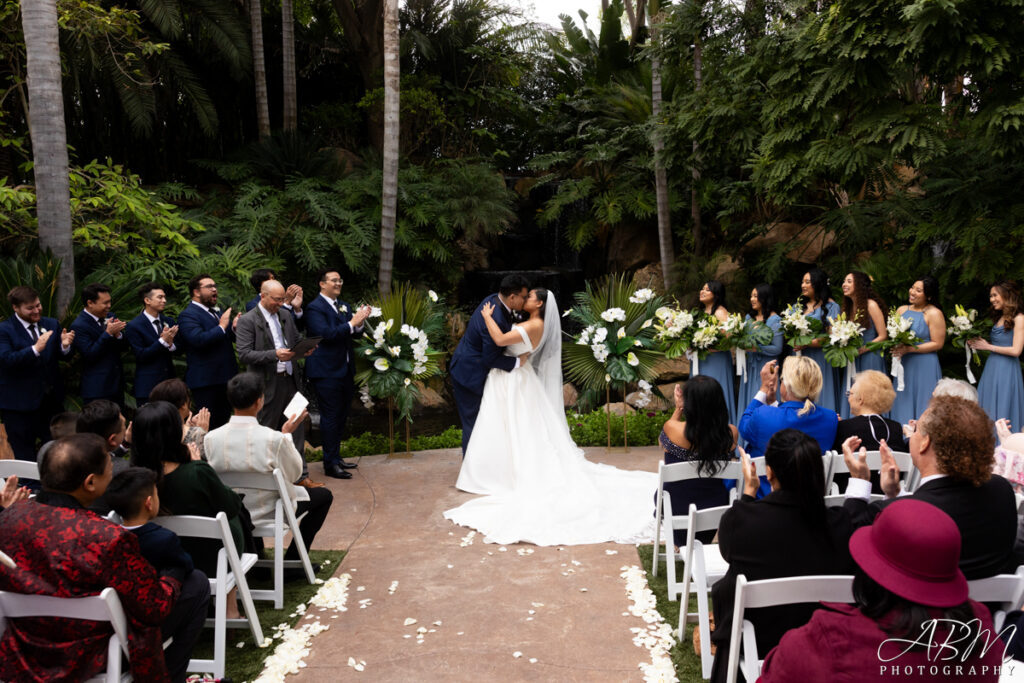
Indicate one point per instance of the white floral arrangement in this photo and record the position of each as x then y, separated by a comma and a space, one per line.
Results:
845, 338
963, 327
799, 329
899, 333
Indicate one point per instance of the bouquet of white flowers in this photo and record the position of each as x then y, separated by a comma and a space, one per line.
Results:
845, 338
900, 334
963, 327
743, 335
396, 350
799, 329
691, 333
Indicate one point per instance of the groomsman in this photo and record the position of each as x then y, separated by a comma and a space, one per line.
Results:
99, 338
331, 368
264, 336
205, 332
31, 386
151, 336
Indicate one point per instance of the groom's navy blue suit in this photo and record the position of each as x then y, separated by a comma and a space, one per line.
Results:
475, 356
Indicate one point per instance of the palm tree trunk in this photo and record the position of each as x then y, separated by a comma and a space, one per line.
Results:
389, 192
290, 117
49, 140
259, 69
698, 79
660, 175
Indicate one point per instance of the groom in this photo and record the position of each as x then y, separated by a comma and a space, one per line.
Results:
477, 353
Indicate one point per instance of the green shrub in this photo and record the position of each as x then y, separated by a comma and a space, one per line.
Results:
591, 429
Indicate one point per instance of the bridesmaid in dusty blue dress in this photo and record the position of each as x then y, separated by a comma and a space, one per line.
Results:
920, 363
762, 310
816, 297
862, 305
718, 364
1001, 389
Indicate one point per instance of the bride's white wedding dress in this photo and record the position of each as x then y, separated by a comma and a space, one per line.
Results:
538, 486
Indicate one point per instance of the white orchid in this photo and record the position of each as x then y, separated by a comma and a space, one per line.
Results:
613, 314
584, 339
600, 351
600, 334
641, 296
375, 312
395, 350
364, 396
381, 364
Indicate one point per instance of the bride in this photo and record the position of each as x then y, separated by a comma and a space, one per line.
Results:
538, 486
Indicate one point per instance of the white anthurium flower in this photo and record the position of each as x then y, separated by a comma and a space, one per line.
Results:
368, 352
381, 364
432, 294
607, 378
637, 342
407, 381
621, 333
632, 359
390, 324
647, 323
568, 311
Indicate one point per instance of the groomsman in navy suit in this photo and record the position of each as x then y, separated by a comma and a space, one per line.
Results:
477, 353
99, 338
331, 368
206, 334
31, 386
151, 336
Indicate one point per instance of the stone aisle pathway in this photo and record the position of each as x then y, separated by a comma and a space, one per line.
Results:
561, 608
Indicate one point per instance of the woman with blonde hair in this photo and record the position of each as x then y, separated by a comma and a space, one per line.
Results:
798, 407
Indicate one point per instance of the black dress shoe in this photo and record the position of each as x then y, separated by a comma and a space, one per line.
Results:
348, 465
298, 573
337, 472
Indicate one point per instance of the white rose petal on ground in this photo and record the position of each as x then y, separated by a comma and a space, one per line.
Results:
657, 638
393, 587
517, 654
409, 621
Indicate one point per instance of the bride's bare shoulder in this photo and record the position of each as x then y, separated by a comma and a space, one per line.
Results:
533, 327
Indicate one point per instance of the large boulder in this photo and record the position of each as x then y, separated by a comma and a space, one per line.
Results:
807, 241
630, 247
569, 395
430, 399
650, 276
672, 370
656, 405
619, 408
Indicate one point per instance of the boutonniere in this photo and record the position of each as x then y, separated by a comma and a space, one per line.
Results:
344, 308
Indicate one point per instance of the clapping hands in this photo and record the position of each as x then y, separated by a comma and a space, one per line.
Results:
751, 482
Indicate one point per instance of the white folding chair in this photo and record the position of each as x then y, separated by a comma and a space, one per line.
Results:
231, 571
1005, 589
874, 462
284, 520
838, 499
704, 565
22, 469
105, 607
771, 593
665, 521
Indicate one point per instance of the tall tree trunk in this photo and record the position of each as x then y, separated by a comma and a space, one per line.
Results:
389, 194
49, 140
362, 22
259, 69
290, 117
660, 175
698, 79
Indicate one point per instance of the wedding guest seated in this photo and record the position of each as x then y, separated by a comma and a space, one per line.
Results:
951, 445
175, 392
870, 398
947, 386
63, 549
61, 425
133, 495
104, 418
801, 384
244, 445
906, 578
705, 437
188, 486
790, 532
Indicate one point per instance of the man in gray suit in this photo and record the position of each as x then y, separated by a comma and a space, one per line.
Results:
264, 336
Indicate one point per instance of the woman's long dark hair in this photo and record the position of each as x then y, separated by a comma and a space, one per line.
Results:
765, 297
156, 437
707, 424
856, 307
795, 458
931, 290
822, 294
717, 292
901, 618
1010, 291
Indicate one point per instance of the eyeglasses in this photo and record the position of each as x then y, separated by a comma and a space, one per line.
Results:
209, 286
279, 299
335, 281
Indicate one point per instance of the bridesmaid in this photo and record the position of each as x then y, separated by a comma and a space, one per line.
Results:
862, 305
1001, 389
762, 310
718, 365
816, 296
921, 362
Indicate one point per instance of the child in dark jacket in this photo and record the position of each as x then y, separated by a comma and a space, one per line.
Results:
133, 495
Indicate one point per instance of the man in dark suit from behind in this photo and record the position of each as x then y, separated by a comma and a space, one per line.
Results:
99, 338
952, 445
331, 368
151, 336
477, 353
264, 336
31, 385
206, 334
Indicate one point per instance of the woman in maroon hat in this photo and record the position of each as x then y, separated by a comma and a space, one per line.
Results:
913, 620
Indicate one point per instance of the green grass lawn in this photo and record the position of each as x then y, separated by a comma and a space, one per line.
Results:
246, 663
687, 663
